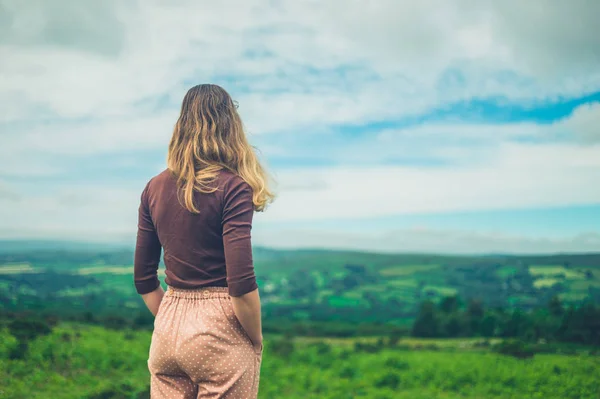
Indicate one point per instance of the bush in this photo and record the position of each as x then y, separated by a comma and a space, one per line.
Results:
515, 348
25, 330
389, 380
366, 347
397, 364
394, 339
283, 347
323, 348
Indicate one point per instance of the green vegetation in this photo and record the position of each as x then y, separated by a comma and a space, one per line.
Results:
451, 318
349, 287
337, 325
84, 362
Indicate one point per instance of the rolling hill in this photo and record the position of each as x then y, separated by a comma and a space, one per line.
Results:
316, 285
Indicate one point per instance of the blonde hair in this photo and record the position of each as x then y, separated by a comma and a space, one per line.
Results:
208, 137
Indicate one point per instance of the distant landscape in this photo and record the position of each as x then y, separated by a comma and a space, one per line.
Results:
338, 324
316, 285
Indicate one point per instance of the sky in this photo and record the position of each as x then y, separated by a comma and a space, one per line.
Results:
466, 126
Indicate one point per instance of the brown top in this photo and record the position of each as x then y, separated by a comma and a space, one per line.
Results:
212, 248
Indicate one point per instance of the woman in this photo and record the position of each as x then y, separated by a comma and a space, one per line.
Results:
207, 339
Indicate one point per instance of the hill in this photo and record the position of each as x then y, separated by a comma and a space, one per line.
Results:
316, 285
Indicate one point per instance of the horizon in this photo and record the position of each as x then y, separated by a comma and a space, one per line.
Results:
100, 246
400, 128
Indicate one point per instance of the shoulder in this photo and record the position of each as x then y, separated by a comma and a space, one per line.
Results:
158, 181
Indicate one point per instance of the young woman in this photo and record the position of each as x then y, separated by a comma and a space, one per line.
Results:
207, 339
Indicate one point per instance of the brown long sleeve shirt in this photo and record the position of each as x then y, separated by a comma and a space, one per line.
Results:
212, 248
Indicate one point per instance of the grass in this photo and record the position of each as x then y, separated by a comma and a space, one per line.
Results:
573, 296
116, 270
404, 283
506, 271
545, 282
16, 268
450, 344
85, 362
406, 270
554, 270
443, 291
342, 301
583, 285
105, 269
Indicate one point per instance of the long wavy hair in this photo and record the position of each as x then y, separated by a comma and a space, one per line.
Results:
208, 137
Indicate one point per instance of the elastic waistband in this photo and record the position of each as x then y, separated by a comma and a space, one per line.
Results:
198, 293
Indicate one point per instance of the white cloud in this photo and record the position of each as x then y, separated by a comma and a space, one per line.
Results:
584, 124
95, 137
83, 79
304, 62
516, 175
7, 193
71, 212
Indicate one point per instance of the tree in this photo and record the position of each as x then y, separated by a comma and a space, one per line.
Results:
449, 304
427, 322
453, 326
589, 274
555, 307
488, 325
474, 315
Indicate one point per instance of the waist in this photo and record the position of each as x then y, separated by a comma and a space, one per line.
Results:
198, 293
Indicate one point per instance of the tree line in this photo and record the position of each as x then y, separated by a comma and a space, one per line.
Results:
453, 317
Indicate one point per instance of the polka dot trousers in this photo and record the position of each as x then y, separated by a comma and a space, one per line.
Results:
200, 350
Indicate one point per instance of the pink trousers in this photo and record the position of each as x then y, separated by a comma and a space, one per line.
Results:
200, 350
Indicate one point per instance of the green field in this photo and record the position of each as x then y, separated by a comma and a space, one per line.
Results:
554, 270
313, 284
346, 312
82, 362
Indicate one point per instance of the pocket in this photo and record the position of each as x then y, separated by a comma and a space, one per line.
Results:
260, 349
241, 328
161, 306
233, 319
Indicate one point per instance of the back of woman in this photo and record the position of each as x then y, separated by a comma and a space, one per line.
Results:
207, 339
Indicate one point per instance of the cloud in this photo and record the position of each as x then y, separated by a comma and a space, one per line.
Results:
72, 212
292, 64
92, 27
584, 124
341, 95
516, 175
8, 194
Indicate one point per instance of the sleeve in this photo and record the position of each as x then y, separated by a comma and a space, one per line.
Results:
147, 250
238, 210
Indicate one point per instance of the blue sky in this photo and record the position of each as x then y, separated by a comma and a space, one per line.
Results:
435, 126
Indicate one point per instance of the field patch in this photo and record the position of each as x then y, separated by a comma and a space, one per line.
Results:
555, 270
17, 268
406, 270
372, 288
583, 285
546, 282
408, 283
85, 271
573, 296
443, 291
506, 271
105, 269
340, 301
